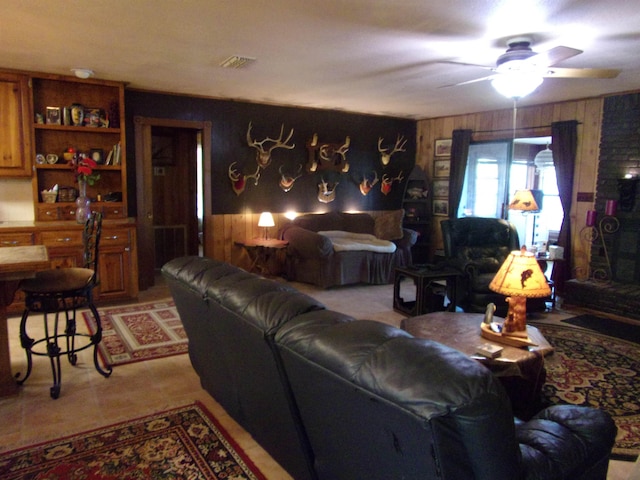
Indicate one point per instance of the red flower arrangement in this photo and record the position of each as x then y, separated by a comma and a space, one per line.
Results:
83, 168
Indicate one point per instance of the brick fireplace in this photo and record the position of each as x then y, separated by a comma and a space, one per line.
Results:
615, 254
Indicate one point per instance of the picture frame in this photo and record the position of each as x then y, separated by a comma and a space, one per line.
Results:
441, 168
441, 207
97, 155
443, 147
53, 116
441, 188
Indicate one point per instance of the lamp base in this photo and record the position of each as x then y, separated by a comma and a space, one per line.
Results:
515, 324
486, 332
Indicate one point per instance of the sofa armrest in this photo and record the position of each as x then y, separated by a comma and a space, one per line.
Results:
408, 240
307, 244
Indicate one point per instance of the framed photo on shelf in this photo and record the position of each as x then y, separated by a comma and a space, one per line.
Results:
53, 116
97, 155
441, 207
443, 147
441, 188
441, 168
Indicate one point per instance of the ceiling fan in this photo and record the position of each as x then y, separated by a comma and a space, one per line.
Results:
520, 64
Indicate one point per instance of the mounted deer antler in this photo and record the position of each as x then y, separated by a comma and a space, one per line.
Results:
326, 192
239, 181
335, 155
263, 154
366, 185
385, 154
387, 182
286, 181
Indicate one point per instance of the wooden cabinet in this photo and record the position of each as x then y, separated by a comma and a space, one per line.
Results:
15, 140
417, 215
101, 134
115, 266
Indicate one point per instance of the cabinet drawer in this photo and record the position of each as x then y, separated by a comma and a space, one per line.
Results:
113, 211
48, 213
114, 237
16, 239
61, 239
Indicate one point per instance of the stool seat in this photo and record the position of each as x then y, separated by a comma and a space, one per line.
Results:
59, 280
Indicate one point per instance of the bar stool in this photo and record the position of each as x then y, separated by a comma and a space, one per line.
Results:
62, 291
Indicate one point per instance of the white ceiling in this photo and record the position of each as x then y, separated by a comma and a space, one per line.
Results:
368, 56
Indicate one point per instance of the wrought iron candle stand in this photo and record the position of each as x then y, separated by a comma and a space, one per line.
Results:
608, 225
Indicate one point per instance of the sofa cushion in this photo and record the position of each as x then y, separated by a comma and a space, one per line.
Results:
389, 225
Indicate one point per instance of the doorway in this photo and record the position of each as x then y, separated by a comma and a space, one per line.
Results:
172, 162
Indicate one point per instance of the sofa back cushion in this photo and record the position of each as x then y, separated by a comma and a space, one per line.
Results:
348, 222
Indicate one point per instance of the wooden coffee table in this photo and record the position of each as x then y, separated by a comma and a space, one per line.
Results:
521, 370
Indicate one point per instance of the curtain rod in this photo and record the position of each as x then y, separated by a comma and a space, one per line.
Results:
516, 129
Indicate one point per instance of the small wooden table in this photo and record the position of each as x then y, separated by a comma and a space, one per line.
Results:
427, 280
16, 263
521, 370
261, 252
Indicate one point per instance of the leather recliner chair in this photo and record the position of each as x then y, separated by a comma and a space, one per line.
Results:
478, 247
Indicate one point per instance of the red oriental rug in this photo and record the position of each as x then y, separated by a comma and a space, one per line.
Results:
143, 331
186, 442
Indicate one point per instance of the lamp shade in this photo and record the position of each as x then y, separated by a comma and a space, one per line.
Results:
520, 276
525, 201
266, 220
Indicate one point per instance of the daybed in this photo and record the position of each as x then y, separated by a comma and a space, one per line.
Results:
314, 255
332, 398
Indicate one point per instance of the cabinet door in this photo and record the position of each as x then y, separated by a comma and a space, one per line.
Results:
114, 273
14, 130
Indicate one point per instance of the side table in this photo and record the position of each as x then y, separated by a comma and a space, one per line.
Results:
521, 370
262, 252
428, 281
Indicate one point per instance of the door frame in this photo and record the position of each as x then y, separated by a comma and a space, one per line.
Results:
144, 187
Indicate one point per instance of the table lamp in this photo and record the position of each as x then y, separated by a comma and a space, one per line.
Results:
519, 277
524, 200
266, 221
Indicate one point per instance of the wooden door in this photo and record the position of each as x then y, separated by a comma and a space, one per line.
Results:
15, 145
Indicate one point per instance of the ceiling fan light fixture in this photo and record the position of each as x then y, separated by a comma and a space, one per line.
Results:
516, 85
83, 73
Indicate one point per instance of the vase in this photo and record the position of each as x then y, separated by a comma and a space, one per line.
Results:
83, 204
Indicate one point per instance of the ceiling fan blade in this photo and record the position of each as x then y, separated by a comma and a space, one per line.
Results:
468, 82
581, 73
450, 62
553, 56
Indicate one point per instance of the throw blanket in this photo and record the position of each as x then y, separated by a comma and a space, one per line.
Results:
345, 241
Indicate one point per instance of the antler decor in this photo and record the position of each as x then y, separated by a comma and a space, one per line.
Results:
326, 192
387, 182
385, 154
263, 154
239, 181
328, 156
287, 181
366, 185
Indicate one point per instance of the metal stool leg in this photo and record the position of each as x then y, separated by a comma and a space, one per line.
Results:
96, 338
26, 342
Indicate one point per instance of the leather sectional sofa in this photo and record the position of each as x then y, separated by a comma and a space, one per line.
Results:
311, 257
331, 397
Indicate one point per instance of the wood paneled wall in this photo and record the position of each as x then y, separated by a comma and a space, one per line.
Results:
498, 125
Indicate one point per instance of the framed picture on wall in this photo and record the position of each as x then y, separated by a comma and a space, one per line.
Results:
441, 207
441, 188
443, 148
441, 168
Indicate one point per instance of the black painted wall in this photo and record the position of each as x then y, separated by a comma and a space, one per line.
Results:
230, 120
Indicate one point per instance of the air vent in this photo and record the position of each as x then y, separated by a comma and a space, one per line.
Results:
237, 61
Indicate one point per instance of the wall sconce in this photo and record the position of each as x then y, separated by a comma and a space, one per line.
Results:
266, 221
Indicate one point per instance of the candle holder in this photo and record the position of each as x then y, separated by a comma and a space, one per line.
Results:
608, 225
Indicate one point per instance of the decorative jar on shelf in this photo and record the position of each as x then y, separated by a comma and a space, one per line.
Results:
83, 203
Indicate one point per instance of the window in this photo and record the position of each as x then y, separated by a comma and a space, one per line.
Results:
495, 170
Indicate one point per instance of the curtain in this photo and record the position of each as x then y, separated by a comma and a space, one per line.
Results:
459, 153
564, 140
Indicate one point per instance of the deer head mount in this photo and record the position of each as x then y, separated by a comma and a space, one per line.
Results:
328, 156
263, 154
387, 182
239, 181
326, 191
366, 185
385, 154
287, 181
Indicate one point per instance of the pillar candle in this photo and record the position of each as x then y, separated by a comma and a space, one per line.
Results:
591, 218
611, 208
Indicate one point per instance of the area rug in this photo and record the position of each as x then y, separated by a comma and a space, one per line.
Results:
606, 326
143, 331
185, 443
588, 368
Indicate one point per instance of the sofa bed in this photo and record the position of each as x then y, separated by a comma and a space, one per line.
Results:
331, 397
330, 249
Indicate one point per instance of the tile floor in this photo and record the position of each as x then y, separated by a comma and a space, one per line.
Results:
88, 401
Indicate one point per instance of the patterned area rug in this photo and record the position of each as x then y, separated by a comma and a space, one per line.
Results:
140, 332
588, 368
185, 442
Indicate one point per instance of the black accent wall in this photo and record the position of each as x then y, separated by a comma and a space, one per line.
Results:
230, 120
